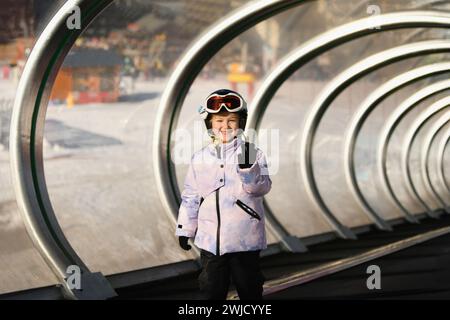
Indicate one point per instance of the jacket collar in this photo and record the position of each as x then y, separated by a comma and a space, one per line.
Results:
226, 147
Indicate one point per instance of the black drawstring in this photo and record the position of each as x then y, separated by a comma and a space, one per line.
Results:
218, 151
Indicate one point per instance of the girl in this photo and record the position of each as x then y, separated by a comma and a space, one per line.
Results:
222, 202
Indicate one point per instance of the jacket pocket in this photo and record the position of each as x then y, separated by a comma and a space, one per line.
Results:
247, 209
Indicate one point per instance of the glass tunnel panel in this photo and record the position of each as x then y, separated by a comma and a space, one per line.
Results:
99, 131
395, 144
296, 26
328, 161
415, 162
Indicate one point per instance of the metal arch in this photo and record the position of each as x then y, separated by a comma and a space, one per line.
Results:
32, 161
26, 132
422, 6
442, 144
412, 133
425, 153
386, 133
312, 49
207, 45
363, 112
340, 82
189, 65
440, 160
414, 33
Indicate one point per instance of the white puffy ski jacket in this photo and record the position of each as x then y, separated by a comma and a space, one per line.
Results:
221, 203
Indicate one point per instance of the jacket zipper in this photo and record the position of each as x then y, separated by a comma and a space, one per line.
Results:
218, 212
218, 223
247, 209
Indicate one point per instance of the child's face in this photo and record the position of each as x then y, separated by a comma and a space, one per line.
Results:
225, 125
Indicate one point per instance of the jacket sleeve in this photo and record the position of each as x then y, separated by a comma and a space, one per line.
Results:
256, 180
190, 203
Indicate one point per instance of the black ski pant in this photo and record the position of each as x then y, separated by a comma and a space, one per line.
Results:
243, 267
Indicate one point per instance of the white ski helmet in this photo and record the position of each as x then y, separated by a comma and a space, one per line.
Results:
224, 98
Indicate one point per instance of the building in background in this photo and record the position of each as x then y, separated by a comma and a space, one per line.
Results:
88, 75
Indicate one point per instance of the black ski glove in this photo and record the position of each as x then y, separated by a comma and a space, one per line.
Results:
248, 155
184, 243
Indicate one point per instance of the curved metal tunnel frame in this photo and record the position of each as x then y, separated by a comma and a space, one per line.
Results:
411, 134
365, 109
189, 65
363, 112
370, 103
27, 128
305, 53
415, 33
425, 153
28, 121
440, 160
33, 92
386, 134
356, 71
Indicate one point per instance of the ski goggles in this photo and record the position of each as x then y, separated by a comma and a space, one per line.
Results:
232, 102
